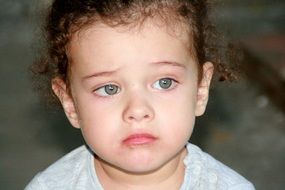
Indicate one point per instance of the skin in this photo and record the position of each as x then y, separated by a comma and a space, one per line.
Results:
134, 61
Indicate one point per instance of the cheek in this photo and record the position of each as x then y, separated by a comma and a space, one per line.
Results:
179, 115
181, 123
97, 122
93, 111
100, 131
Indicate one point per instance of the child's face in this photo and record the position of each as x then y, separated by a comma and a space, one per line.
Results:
135, 94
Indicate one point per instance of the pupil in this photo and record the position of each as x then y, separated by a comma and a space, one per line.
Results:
165, 83
111, 89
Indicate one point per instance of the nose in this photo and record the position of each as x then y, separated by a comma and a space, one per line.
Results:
138, 109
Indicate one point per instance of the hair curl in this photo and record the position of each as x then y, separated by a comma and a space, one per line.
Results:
68, 16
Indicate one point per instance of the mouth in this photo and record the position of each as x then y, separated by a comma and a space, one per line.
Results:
139, 139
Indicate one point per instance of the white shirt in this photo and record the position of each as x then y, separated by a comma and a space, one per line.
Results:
76, 171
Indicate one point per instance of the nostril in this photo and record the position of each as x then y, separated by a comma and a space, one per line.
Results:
146, 117
138, 114
131, 118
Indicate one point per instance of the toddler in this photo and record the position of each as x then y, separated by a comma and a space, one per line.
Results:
132, 75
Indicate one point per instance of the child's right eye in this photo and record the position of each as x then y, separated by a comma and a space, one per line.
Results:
108, 90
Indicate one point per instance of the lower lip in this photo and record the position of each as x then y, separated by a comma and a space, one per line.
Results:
139, 139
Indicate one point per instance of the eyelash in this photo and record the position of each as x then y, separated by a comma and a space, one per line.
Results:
118, 89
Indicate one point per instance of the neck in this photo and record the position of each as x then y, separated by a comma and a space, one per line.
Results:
168, 176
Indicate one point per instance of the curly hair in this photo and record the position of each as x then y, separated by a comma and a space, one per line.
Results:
66, 17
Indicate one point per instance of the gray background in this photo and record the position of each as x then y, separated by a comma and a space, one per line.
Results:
242, 128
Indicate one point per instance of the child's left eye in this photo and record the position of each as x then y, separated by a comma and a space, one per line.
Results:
164, 84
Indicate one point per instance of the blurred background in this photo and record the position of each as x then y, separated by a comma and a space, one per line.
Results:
244, 126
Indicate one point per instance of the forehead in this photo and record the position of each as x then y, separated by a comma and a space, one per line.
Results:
146, 42
176, 28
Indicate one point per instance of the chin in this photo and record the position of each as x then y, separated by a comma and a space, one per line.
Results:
141, 170
141, 167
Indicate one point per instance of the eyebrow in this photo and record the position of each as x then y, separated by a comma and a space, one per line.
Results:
109, 73
170, 63
100, 74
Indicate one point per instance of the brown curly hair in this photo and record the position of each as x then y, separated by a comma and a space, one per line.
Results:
65, 17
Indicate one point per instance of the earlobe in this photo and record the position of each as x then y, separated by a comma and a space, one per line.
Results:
60, 90
203, 88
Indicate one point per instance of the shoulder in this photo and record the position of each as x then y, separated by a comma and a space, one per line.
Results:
64, 172
212, 174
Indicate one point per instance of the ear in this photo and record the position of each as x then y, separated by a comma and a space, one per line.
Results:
203, 88
61, 91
